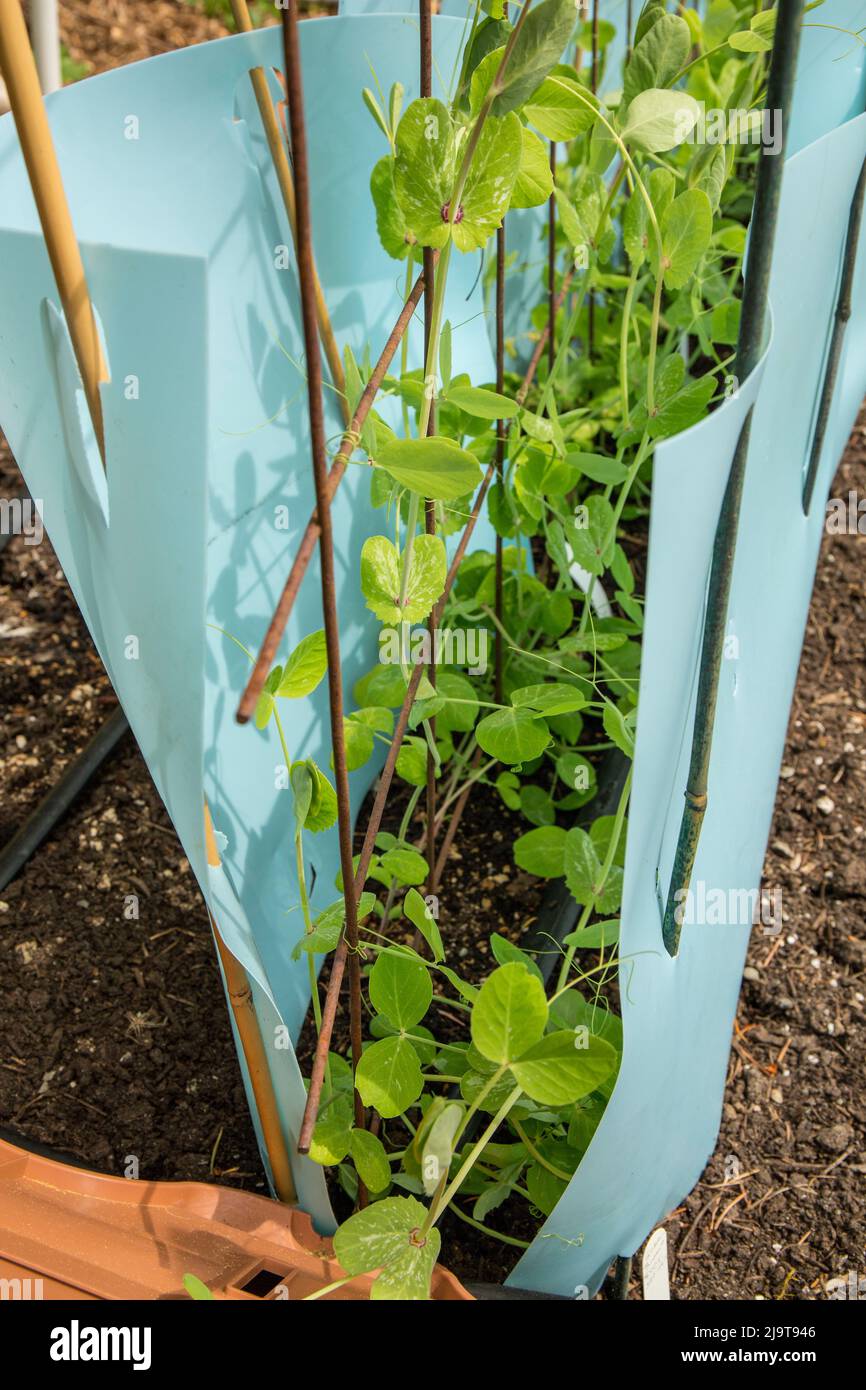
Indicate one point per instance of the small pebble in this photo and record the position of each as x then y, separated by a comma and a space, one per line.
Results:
776, 1097
750, 973
826, 805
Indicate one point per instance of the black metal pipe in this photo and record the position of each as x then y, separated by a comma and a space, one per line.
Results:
621, 1277
43, 819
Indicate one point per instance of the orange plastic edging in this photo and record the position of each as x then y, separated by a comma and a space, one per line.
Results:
67, 1233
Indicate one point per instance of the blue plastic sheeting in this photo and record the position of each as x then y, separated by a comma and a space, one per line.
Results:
206, 433
661, 1123
182, 230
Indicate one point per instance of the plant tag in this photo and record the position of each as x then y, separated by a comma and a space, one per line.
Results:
654, 1267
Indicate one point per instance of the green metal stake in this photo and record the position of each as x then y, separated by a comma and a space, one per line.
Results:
780, 85
840, 323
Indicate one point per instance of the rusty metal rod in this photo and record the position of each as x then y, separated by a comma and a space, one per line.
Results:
500, 455
286, 603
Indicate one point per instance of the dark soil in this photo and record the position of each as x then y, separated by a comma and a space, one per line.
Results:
114, 1037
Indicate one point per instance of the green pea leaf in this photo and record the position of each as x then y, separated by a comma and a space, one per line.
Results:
660, 120
394, 231
197, 1289
719, 21
505, 953
509, 1015
558, 1069
389, 1076
376, 112
508, 786
683, 409
370, 1159
328, 926
420, 915
549, 698
424, 169
333, 1131
583, 873
455, 704
537, 806
595, 936
539, 46
386, 1235
407, 1279
404, 864
639, 237
542, 851
591, 535
513, 735
534, 177
445, 354
400, 988
438, 1148
544, 1188
303, 785
597, 467
358, 738
619, 729
266, 705
472, 1084
466, 991
584, 1121
577, 773
560, 108
686, 228
323, 808
381, 577
485, 405
435, 467
657, 59
489, 183
412, 762
748, 41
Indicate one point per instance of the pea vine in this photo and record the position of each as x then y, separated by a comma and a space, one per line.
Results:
649, 217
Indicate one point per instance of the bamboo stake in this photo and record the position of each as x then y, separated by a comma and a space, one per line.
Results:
842, 315
771, 168
283, 171
306, 271
282, 612
31, 121
243, 1010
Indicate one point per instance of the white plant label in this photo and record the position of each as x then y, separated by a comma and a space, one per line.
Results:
654, 1268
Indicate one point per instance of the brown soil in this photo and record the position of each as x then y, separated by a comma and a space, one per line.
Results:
114, 1038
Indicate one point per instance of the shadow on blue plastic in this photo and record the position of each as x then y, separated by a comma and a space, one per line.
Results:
660, 1126
208, 489
208, 483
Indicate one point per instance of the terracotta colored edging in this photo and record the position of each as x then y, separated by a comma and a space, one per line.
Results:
74, 1234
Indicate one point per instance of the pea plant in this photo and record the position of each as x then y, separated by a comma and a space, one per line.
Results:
638, 310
